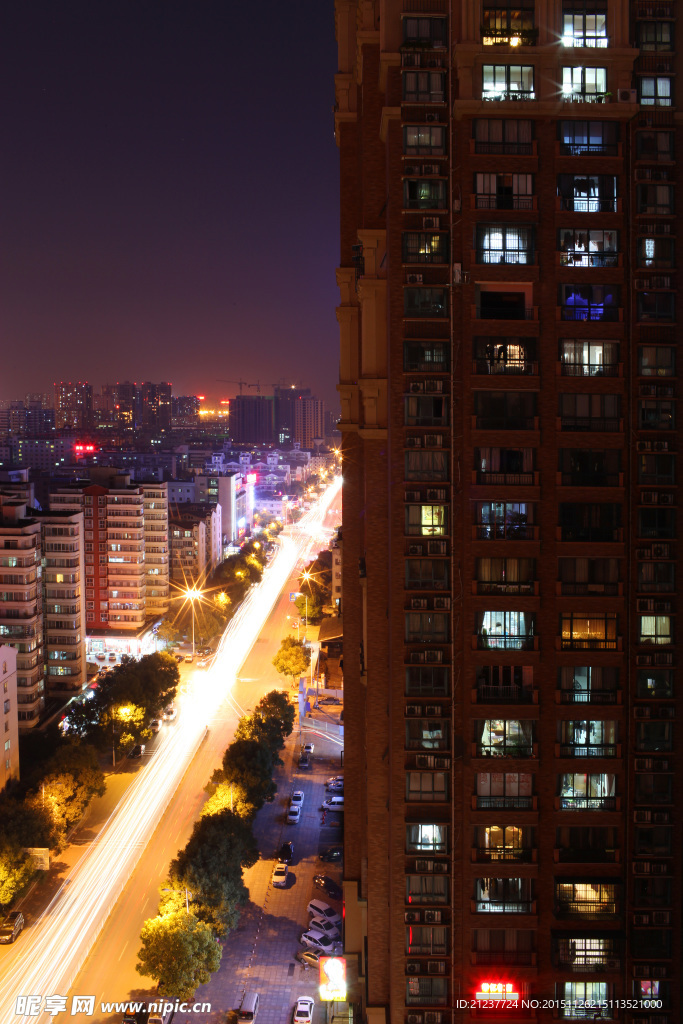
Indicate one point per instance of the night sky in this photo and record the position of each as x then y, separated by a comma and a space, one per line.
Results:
169, 194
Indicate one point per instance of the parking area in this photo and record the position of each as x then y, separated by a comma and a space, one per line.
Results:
260, 954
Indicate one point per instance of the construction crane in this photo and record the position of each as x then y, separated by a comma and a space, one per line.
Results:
242, 383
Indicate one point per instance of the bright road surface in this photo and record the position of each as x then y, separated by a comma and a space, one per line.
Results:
46, 958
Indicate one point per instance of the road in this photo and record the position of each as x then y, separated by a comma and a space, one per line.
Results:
155, 815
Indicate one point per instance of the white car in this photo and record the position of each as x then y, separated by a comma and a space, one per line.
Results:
320, 942
308, 748
280, 875
321, 924
320, 909
293, 815
303, 1011
170, 713
296, 799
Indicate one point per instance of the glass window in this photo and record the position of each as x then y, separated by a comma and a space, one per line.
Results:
426, 355
504, 738
656, 523
656, 252
656, 199
427, 573
426, 889
508, 81
431, 786
588, 248
423, 31
655, 629
656, 306
504, 243
509, 136
655, 91
504, 790
426, 465
424, 194
425, 247
500, 520
511, 23
586, 898
588, 85
581, 358
577, 996
586, 739
424, 86
654, 145
595, 631
583, 684
504, 191
654, 682
655, 35
426, 838
656, 415
588, 302
427, 627
584, 23
587, 193
427, 733
425, 302
427, 520
654, 736
580, 137
425, 411
425, 139
503, 895
586, 792
589, 411
506, 630
427, 681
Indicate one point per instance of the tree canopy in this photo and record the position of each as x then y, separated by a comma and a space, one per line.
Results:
179, 952
249, 763
293, 658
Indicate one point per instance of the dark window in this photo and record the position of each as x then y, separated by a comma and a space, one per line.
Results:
426, 465
656, 199
495, 305
655, 415
504, 465
505, 575
426, 355
424, 86
580, 576
580, 137
651, 943
426, 411
654, 683
421, 31
654, 35
427, 681
505, 410
585, 844
656, 577
504, 191
427, 574
654, 737
656, 522
656, 306
588, 684
590, 412
495, 135
505, 684
653, 788
427, 627
589, 467
655, 146
504, 790
656, 469
590, 522
425, 302
424, 194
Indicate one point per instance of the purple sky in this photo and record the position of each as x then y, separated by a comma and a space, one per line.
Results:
170, 194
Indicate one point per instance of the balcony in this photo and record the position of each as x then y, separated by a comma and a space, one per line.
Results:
502, 201
589, 204
504, 531
529, 587
505, 368
504, 311
489, 854
586, 97
588, 696
486, 642
589, 643
588, 803
507, 94
580, 258
588, 960
504, 803
525, 256
593, 312
504, 750
505, 479
595, 910
588, 750
488, 693
503, 906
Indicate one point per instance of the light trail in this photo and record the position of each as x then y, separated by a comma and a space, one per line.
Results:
47, 958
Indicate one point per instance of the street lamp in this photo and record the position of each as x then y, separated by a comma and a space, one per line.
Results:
192, 595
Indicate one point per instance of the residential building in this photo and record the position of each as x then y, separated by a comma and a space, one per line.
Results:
509, 304
251, 419
285, 406
188, 549
309, 422
9, 763
73, 406
21, 604
157, 548
63, 585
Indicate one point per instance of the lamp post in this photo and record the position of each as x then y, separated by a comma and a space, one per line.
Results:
192, 594
188, 897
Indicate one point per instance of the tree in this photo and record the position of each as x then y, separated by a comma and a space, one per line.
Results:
228, 796
179, 952
16, 868
309, 607
271, 723
167, 633
293, 658
211, 864
72, 778
249, 763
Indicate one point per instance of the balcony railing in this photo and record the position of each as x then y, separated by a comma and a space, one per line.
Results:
589, 149
592, 909
503, 148
575, 258
508, 94
489, 694
590, 534
504, 531
489, 201
500, 479
589, 643
487, 642
510, 957
505, 312
524, 256
585, 855
503, 587
592, 312
503, 906
505, 422
588, 750
511, 853
589, 960
588, 204
588, 803
509, 367
508, 750
586, 97
587, 1013
505, 803
591, 696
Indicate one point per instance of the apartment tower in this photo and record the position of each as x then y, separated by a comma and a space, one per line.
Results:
508, 382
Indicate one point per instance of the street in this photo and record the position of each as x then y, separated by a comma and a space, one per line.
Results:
131, 849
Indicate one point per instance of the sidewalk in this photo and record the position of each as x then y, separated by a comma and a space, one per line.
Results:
259, 954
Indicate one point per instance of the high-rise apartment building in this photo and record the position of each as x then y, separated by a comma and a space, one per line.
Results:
157, 550
251, 419
508, 383
21, 603
73, 406
63, 584
9, 762
309, 422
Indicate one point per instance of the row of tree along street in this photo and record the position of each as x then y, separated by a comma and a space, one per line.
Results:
204, 895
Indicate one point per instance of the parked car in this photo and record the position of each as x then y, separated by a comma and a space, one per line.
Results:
304, 761
319, 909
334, 780
334, 802
308, 958
280, 875
286, 853
329, 700
321, 924
101, 657
170, 713
335, 787
308, 748
303, 1011
137, 751
112, 656
328, 886
320, 942
155, 725
332, 854
293, 815
11, 927
296, 799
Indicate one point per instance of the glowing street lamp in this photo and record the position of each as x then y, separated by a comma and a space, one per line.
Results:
192, 594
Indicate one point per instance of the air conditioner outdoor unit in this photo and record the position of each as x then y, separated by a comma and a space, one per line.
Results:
640, 284
641, 919
643, 764
422, 761
644, 446
434, 1017
430, 118
666, 499
641, 971
414, 1018
660, 817
660, 446
627, 95
436, 967
659, 972
430, 169
660, 917
413, 967
414, 549
430, 223
641, 817
418, 602
411, 916
433, 709
442, 603
643, 659
423, 865
440, 867
432, 917
412, 495
416, 387
411, 169
413, 709
413, 442
414, 278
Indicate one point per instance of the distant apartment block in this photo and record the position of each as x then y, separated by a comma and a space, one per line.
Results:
9, 763
73, 406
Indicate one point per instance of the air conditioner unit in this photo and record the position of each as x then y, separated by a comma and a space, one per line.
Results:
643, 764
412, 495
433, 709
432, 917
641, 919
423, 761
416, 387
434, 440
660, 917
641, 712
440, 867
411, 169
612, 965
433, 1017
641, 817
430, 169
434, 657
641, 971
442, 762
660, 551
414, 1018
643, 659
431, 118
423, 865
640, 284
660, 446
644, 446
413, 442
660, 817
418, 602
659, 972
414, 278
436, 967
666, 499
430, 223
414, 549
413, 967
442, 603
411, 916
627, 95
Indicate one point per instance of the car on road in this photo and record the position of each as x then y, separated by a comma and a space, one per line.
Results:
137, 751
320, 942
11, 927
202, 662
296, 799
319, 909
308, 958
286, 853
321, 924
279, 878
101, 657
155, 725
112, 656
170, 713
332, 854
293, 815
304, 761
329, 700
189, 658
308, 748
179, 657
303, 1011
328, 886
